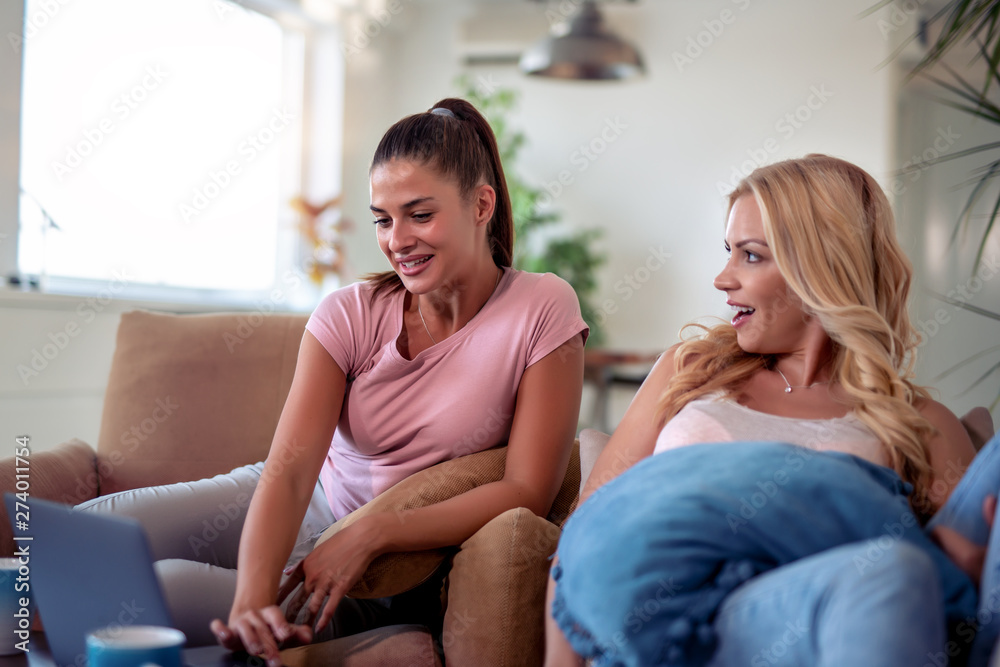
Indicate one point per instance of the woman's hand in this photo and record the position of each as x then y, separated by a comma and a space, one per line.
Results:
300, 445
965, 553
259, 632
332, 567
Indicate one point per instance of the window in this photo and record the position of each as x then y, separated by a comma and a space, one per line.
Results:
161, 142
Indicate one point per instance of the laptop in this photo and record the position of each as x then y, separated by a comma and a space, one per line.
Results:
90, 570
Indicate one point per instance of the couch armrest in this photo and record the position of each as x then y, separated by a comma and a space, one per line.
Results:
496, 592
66, 474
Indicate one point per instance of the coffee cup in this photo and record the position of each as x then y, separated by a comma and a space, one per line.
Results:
135, 646
15, 606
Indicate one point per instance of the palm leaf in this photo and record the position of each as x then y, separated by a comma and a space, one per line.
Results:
975, 357
971, 101
964, 362
967, 20
981, 379
970, 22
964, 305
965, 216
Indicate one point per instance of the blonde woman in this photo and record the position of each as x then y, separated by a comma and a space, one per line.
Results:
797, 537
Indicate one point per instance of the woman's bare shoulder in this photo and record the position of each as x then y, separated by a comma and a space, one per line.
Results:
943, 420
949, 448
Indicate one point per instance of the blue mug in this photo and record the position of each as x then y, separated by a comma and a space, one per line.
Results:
135, 646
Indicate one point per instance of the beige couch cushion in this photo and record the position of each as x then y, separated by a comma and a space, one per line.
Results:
190, 396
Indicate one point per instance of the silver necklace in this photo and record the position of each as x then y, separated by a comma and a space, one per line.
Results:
789, 386
421, 313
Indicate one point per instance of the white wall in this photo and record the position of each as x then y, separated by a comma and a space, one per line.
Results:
11, 18
55, 361
656, 186
684, 129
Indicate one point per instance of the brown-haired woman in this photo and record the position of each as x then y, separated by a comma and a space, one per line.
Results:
409, 368
449, 353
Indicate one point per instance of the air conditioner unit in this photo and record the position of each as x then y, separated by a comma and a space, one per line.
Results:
496, 33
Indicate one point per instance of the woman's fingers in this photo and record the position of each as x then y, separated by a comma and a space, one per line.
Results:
317, 595
989, 509
294, 603
295, 576
260, 641
330, 571
259, 633
332, 600
225, 636
324, 596
283, 630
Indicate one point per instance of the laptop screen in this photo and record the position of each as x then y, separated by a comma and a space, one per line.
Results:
87, 570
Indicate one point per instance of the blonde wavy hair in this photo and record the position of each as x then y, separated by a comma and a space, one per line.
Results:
832, 234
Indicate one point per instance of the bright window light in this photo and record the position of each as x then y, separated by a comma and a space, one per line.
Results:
158, 143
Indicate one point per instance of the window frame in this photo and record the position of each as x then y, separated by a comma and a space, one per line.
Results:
316, 80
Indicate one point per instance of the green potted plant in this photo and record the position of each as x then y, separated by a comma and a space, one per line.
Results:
569, 255
976, 23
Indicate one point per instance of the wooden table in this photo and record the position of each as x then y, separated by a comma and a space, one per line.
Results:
605, 368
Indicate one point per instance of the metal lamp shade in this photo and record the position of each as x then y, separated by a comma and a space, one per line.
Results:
586, 51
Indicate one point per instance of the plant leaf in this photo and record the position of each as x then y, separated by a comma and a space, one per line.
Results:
964, 305
965, 362
981, 379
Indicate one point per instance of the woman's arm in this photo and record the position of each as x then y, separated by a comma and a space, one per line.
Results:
301, 442
538, 451
950, 452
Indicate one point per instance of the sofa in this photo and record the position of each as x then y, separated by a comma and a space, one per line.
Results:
190, 396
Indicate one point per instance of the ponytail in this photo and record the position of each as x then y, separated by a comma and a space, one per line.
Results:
460, 144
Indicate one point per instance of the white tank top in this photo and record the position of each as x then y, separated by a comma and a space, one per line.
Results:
716, 419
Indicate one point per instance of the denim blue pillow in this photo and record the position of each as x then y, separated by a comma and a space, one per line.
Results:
687, 526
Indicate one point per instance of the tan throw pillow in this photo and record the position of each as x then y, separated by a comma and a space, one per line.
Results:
394, 573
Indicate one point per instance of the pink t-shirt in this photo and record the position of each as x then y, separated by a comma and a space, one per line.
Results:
454, 398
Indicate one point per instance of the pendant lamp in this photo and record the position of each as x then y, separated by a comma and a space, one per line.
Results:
585, 49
